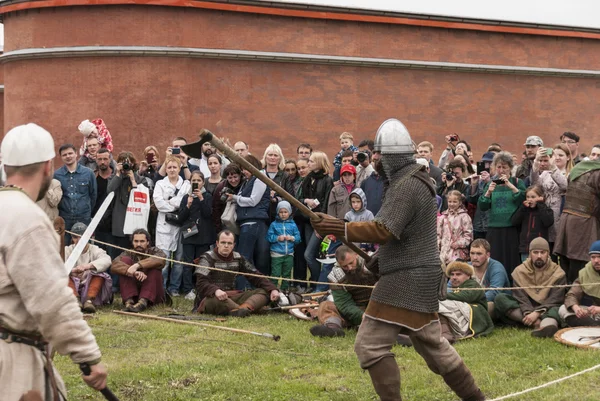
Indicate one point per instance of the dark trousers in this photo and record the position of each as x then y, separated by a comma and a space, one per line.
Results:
299, 249
571, 267
191, 252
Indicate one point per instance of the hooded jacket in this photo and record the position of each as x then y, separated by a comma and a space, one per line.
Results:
283, 227
363, 214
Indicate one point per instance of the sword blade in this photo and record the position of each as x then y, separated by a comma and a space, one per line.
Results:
70, 263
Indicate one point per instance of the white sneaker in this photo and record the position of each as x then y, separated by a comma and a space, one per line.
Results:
174, 294
190, 296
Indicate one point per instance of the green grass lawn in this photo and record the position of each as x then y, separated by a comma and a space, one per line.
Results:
151, 360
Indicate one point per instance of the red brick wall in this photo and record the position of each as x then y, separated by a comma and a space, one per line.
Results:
151, 100
171, 26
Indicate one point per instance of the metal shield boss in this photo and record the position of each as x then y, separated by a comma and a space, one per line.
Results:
393, 138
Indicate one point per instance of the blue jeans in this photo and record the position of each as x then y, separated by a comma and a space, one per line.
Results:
173, 281
311, 253
325, 270
69, 223
253, 246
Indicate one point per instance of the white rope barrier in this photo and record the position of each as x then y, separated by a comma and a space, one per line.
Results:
505, 397
321, 282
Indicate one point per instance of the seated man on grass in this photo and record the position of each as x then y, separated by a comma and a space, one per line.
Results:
489, 273
215, 290
534, 307
463, 314
88, 280
140, 274
349, 303
582, 303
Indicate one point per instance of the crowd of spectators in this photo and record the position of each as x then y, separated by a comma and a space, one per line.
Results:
493, 197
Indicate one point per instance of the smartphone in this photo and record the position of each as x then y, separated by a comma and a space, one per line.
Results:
149, 158
481, 168
175, 151
498, 182
549, 151
194, 186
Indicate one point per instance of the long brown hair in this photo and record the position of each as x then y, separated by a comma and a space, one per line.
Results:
567, 151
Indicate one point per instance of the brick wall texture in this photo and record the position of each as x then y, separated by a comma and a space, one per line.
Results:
150, 100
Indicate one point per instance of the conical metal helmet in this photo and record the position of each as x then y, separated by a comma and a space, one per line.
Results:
393, 138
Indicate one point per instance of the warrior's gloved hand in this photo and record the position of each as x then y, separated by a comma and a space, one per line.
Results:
329, 225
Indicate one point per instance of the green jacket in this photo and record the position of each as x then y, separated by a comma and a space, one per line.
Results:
502, 203
481, 322
347, 307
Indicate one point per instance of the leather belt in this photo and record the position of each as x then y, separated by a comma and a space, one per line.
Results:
31, 340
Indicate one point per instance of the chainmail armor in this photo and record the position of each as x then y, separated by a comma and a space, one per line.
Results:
225, 281
409, 264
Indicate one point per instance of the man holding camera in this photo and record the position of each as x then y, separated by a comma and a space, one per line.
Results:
452, 179
532, 144
186, 167
364, 169
122, 183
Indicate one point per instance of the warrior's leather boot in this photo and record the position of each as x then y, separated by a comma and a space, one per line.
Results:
241, 312
88, 306
461, 381
140, 306
385, 376
322, 330
128, 305
574, 321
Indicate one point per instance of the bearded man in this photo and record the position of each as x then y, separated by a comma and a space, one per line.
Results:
406, 297
534, 307
582, 303
349, 303
464, 314
38, 308
140, 274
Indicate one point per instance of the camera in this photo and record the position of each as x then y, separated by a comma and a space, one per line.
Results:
361, 157
175, 151
127, 165
226, 191
449, 175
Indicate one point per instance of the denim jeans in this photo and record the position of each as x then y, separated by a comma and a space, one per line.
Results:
325, 270
311, 253
253, 246
173, 281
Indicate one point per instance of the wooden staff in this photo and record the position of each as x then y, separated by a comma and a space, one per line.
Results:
207, 136
298, 306
166, 319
